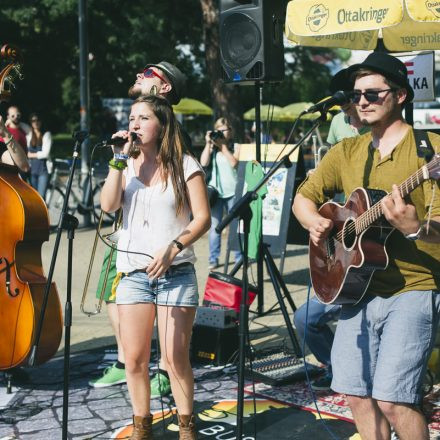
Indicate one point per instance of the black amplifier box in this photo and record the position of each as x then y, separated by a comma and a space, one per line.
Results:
210, 345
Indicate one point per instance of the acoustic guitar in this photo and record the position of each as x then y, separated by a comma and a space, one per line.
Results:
341, 266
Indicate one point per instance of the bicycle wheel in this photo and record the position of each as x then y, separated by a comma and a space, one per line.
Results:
55, 205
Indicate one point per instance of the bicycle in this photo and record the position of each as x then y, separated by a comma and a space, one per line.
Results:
56, 192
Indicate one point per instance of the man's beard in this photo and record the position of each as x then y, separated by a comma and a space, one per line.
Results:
134, 92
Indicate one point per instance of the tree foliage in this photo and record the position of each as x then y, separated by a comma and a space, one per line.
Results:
122, 37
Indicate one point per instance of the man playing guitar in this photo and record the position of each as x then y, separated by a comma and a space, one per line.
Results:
382, 343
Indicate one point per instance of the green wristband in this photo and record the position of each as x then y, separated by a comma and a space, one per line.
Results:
118, 165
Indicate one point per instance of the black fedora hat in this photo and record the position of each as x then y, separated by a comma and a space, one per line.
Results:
176, 77
341, 81
388, 66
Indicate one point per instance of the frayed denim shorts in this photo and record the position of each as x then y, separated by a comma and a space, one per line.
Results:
177, 287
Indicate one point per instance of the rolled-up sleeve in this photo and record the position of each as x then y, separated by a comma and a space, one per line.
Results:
325, 181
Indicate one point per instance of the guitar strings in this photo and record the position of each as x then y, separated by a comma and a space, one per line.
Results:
366, 218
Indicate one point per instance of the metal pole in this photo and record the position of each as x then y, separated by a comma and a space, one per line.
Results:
260, 278
84, 102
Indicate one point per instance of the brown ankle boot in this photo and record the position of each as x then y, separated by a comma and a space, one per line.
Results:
142, 428
187, 427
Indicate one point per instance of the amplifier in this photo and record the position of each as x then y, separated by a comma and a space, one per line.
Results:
211, 345
215, 317
278, 368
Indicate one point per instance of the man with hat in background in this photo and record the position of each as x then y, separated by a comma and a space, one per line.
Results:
166, 80
162, 79
382, 344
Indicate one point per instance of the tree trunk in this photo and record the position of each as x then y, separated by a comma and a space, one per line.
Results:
226, 101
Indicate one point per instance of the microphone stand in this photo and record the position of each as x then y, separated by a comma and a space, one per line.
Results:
242, 211
69, 223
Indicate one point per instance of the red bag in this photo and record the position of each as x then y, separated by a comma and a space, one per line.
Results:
225, 291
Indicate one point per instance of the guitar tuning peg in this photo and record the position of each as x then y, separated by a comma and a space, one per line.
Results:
17, 71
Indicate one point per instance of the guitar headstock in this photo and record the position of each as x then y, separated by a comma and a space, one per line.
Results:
11, 72
434, 167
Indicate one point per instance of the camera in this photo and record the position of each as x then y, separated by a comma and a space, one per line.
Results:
216, 134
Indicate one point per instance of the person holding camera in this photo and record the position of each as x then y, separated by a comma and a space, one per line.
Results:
220, 159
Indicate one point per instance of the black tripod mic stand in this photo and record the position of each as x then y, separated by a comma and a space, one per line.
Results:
242, 211
69, 223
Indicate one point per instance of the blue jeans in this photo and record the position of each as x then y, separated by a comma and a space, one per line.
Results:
214, 238
319, 336
39, 182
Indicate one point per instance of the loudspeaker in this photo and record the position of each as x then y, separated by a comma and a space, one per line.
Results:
211, 345
251, 40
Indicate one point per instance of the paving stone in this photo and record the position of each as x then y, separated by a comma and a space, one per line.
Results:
37, 423
86, 426
111, 414
75, 413
95, 405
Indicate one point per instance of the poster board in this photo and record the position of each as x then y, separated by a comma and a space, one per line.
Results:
279, 224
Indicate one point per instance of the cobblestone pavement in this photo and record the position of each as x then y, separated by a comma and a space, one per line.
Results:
35, 411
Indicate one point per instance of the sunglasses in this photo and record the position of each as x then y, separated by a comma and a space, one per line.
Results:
370, 95
150, 73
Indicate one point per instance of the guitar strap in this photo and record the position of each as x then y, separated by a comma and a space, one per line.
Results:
424, 146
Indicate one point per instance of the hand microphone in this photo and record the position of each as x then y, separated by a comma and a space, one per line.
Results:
118, 141
338, 98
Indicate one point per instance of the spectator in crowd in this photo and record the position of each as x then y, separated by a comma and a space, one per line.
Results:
220, 156
16, 127
39, 143
11, 152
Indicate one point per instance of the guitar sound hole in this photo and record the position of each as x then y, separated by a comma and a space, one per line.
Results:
349, 234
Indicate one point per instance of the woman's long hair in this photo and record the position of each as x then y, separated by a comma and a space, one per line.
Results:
171, 147
35, 140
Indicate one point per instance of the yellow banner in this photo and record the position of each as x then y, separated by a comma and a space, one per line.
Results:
424, 10
412, 35
323, 17
365, 40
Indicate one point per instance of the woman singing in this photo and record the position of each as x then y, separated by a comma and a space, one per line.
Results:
165, 210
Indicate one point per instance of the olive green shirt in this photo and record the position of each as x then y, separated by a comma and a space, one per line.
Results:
354, 163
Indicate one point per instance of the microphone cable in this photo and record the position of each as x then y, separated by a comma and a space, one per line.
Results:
309, 383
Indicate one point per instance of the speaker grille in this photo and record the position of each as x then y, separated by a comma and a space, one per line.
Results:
241, 42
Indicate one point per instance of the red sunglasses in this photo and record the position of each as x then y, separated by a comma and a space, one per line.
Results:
150, 73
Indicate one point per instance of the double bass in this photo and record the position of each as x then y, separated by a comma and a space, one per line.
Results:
24, 226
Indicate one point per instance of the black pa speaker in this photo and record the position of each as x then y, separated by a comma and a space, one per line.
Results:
251, 40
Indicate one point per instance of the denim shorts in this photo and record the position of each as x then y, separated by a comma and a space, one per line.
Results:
177, 287
382, 346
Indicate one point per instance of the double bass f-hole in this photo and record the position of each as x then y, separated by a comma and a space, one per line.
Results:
8, 278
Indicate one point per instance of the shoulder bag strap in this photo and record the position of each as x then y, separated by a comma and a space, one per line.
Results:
423, 144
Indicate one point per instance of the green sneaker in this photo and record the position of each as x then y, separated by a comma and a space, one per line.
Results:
111, 376
160, 386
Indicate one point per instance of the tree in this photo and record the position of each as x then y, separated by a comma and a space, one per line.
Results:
225, 99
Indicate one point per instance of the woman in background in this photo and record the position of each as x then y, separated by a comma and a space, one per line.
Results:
220, 155
39, 144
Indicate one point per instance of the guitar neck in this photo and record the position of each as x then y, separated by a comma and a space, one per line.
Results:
365, 220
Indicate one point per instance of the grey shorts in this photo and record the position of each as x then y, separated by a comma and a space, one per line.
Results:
382, 346
177, 287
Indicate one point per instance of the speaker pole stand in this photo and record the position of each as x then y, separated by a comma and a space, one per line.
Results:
242, 211
260, 279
